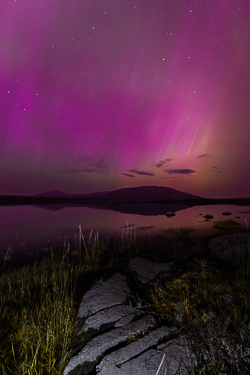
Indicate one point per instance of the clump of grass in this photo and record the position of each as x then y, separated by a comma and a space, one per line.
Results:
210, 304
183, 246
227, 225
38, 318
178, 299
127, 245
135, 336
182, 235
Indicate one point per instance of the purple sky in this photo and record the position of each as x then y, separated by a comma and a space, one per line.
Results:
98, 95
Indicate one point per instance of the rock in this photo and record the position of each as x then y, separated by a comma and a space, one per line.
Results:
150, 272
208, 216
227, 213
144, 356
102, 295
109, 317
86, 360
116, 315
147, 275
117, 335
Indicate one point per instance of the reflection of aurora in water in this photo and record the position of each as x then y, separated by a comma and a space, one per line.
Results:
31, 228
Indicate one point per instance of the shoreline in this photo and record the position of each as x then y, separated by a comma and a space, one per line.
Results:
9, 200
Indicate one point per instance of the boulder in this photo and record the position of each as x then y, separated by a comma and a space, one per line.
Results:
208, 216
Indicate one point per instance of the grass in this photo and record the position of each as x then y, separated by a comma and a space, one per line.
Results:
228, 225
37, 317
210, 304
38, 309
135, 336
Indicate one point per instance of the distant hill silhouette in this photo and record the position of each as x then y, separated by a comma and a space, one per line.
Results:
145, 193
60, 194
148, 193
126, 200
145, 200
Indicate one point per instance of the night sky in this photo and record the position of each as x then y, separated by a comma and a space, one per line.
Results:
99, 95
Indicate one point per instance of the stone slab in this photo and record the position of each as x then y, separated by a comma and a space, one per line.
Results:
84, 362
149, 271
115, 361
175, 361
119, 315
104, 294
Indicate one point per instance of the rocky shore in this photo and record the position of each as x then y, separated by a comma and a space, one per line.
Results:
119, 333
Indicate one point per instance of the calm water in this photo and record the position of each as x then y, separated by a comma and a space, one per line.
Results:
25, 229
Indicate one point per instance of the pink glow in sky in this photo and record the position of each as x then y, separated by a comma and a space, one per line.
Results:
99, 95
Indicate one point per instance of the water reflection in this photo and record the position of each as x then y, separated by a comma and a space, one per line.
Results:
29, 228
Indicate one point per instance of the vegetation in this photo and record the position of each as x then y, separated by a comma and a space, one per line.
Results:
210, 304
228, 225
38, 305
38, 309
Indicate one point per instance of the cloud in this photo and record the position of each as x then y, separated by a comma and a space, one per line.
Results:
141, 173
180, 171
215, 169
160, 164
202, 155
75, 170
127, 174
85, 163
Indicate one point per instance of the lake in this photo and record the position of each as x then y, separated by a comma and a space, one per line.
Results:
26, 229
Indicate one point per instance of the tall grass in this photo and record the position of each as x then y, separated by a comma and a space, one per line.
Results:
38, 308
37, 317
38, 311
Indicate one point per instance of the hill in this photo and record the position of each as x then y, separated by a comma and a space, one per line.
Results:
147, 193
60, 194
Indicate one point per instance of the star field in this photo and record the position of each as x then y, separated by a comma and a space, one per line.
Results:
99, 95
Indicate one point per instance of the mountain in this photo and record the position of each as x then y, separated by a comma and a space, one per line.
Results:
140, 193
60, 194
147, 193
122, 200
